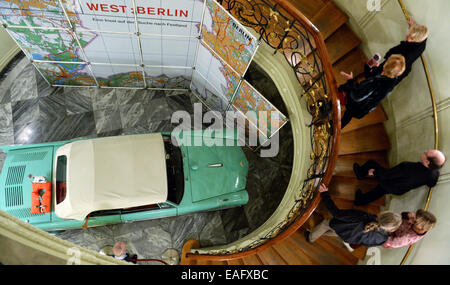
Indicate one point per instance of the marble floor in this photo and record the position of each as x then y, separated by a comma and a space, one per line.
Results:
33, 112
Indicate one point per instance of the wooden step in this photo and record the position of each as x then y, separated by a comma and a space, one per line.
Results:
341, 42
252, 260
376, 116
347, 204
341, 249
237, 261
329, 19
340, 259
345, 188
316, 251
270, 256
344, 164
352, 62
338, 45
219, 262
360, 252
204, 262
309, 8
298, 246
291, 253
367, 139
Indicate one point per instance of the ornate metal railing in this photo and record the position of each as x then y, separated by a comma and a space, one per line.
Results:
288, 31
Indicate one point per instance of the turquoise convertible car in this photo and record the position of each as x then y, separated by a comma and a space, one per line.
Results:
122, 179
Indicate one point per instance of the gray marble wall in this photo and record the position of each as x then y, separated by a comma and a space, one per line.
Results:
33, 112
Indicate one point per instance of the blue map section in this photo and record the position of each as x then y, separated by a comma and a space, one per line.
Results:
37, 56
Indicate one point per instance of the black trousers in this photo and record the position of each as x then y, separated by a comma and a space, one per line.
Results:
348, 115
377, 192
346, 118
368, 197
371, 164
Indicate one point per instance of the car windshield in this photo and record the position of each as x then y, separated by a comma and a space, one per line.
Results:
175, 173
61, 169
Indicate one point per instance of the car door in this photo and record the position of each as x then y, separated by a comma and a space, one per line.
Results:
102, 218
148, 212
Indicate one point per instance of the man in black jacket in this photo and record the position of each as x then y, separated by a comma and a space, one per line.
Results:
401, 178
351, 225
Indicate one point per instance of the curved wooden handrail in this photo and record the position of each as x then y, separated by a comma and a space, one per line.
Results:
436, 126
336, 127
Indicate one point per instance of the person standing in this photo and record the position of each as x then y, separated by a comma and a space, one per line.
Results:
120, 252
400, 179
353, 226
414, 227
411, 49
362, 98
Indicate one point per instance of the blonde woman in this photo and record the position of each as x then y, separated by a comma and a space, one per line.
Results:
413, 228
353, 226
365, 96
411, 49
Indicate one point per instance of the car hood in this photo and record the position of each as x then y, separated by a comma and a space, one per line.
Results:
215, 170
15, 182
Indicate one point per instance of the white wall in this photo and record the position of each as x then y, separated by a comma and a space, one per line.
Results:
410, 124
8, 48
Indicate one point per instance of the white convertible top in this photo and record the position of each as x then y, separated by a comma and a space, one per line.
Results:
112, 173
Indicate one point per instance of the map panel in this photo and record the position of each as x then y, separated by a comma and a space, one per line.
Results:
169, 78
66, 74
208, 93
250, 102
118, 75
169, 51
217, 72
104, 48
33, 13
227, 37
154, 16
52, 45
244, 126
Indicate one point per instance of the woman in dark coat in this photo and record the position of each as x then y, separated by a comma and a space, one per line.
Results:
364, 97
411, 48
354, 226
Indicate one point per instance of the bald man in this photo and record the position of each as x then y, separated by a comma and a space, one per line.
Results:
401, 178
120, 252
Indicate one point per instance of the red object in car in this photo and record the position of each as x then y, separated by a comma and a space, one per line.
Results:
41, 197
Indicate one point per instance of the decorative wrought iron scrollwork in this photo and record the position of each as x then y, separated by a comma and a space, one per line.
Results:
284, 34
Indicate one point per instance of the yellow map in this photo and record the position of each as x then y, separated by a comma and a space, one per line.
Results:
258, 110
227, 38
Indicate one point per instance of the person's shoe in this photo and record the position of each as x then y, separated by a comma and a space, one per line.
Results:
307, 236
358, 198
348, 247
357, 171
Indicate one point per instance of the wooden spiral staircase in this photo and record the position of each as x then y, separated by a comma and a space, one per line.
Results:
360, 140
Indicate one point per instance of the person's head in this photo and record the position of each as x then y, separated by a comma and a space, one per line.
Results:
119, 249
417, 33
425, 221
433, 159
395, 66
387, 220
